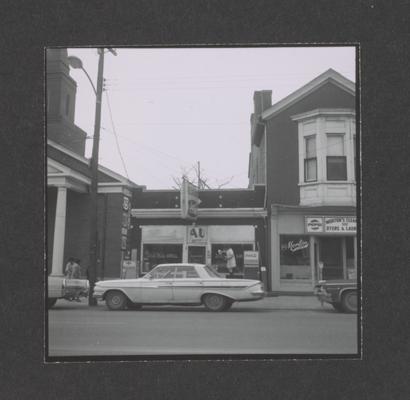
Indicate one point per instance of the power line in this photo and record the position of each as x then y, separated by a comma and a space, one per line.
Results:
115, 135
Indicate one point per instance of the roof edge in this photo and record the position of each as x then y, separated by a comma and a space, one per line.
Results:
328, 76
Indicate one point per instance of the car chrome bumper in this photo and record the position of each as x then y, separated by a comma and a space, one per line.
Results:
256, 296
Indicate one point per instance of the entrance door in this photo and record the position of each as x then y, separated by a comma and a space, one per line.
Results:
331, 256
196, 254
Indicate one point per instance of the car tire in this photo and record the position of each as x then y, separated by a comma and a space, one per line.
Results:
215, 302
115, 300
349, 301
228, 305
51, 302
133, 306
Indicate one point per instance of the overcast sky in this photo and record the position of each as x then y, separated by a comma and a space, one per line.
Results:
174, 107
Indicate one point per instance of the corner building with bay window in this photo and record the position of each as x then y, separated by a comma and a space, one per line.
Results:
304, 151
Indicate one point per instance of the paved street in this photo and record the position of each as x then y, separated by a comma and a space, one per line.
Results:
275, 325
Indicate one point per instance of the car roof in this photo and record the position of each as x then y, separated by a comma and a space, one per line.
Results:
181, 265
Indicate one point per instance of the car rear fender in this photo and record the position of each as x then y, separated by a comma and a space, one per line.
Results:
344, 290
218, 292
114, 290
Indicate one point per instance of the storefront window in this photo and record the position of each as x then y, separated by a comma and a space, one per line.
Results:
218, 259
295, 257
350, 258
154, 254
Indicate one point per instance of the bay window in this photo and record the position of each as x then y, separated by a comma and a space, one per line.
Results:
310, 159
336, 159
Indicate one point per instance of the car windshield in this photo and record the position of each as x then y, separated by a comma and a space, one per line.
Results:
212, 272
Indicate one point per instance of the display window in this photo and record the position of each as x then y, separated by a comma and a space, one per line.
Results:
350, 258
295, 257
218, 258
154, 254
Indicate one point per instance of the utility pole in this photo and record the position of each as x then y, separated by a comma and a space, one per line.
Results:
92, 268
199, 175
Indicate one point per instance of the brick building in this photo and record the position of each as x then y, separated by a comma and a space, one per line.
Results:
304, 151
68, 182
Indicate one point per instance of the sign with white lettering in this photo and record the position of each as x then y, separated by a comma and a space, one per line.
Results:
251, 257
126, 204
297, 245
333, 224
197, 234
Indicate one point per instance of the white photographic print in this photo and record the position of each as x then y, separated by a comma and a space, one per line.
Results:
202, 202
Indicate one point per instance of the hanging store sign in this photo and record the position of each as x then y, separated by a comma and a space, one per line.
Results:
189, 200
336, 224
126, 204
126, 220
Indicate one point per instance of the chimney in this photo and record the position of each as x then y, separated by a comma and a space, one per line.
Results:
262, 100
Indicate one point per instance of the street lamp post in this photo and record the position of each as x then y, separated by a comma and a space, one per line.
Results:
92, 267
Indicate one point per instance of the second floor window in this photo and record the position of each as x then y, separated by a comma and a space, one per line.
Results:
310, 159
336, 158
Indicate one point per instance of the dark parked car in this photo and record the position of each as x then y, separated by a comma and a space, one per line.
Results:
341, 294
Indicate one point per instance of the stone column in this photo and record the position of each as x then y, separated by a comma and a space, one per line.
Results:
59, 233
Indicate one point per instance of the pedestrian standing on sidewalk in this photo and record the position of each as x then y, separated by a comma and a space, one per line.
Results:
76, 274
69, 268
230, 260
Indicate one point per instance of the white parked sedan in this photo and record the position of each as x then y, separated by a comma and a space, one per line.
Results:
178, 284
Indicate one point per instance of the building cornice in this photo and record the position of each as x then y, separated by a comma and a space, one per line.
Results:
86, 161
313, 210
202, 213
328, 76
327, 112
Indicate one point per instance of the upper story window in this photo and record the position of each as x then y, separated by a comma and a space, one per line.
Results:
336, 167
310, 164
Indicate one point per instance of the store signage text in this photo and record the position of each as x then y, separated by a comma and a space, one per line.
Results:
340, 224
296, 246
314, 224
250, 257
331, 224
126, 204
197, 234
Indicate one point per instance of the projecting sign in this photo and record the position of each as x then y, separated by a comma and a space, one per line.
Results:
189, 200
126, 204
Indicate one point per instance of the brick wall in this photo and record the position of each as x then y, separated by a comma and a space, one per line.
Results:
282, 142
